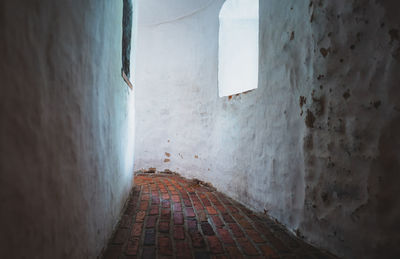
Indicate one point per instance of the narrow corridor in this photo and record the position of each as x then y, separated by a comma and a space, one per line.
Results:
168, 216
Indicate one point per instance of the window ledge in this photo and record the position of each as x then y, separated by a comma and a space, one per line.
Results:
127, 81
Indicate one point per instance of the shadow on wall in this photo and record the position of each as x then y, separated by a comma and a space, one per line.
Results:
383, 185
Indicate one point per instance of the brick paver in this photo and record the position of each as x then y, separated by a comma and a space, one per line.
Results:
168, 216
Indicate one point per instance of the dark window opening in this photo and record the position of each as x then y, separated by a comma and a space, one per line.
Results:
126, 40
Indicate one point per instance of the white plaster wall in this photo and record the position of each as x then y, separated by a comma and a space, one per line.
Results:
176, 83
326, 166
66, 127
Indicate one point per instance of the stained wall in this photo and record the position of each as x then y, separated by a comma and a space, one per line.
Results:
66, 127
315, 146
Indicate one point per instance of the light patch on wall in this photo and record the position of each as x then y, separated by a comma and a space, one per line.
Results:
238, 47
129, 131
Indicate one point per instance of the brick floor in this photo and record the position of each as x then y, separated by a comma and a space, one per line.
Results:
170, 217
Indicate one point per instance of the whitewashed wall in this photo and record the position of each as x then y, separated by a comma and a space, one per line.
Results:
315, 145
66, 127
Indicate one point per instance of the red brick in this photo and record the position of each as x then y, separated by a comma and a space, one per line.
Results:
132, 247
268, 251
247, 247
224, 200
234, 252
164, 244
197, 240
177, 207
217, 221
192, 225
176, 198
137, 229
149, 237
144, 205
237, 232
151, 221
179, 232
194, 197
154, 210
140, 216
245, 224
227, 218
183, 249
149, 190
207, 229
255, 236
211, 210
233, 209
215, 245
237, 216
198, 206
214, 200
221, 209
178, 218
204, 199
163, 226
145, 197
225, 236
202, 216
190, 213
166, 204
187, 202
165, 214
155, 200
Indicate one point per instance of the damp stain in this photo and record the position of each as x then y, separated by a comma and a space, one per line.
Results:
376, 104
325, 51
346, 95
303, 100
310, 119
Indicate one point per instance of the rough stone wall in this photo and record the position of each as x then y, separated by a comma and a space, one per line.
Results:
314, 146
66, 127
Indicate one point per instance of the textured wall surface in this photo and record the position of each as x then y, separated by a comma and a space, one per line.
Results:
66, 127
315, 145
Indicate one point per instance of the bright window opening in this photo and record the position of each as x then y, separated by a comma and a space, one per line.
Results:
238, 47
